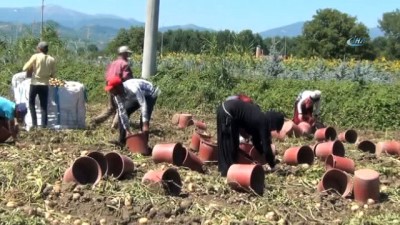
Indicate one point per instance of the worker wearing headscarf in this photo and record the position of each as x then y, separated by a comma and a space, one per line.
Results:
232, 116
307, 107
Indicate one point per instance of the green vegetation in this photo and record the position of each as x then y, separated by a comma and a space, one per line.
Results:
327, 33
345, 103
360, 94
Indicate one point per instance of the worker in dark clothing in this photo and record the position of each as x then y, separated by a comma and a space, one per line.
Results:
232, 116
244, 98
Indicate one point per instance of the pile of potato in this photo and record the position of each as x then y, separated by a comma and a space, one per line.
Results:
56, 82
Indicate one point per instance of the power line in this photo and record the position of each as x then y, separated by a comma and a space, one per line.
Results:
41, 31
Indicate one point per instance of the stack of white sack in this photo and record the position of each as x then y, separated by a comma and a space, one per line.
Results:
66, 106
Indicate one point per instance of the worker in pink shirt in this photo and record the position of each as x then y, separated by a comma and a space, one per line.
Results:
118, 68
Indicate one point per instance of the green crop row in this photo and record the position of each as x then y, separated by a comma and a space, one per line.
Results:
346, 103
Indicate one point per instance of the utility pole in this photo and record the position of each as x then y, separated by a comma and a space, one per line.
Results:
149, 66
162, 44
41, 30
285, 47
88, 33
33, 26
16, 32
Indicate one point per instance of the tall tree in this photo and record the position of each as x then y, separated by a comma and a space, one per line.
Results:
327, 33
191, 41
50, 34
390, 25
136, 39
92, 48
224, 40
122, 38
380, 45
246, 42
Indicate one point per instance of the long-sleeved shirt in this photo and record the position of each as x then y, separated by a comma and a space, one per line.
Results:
301, 100
44, 67
7, 108
139, 89
254, 122
120, 67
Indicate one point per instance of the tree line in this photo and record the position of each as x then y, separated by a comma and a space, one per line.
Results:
325, 36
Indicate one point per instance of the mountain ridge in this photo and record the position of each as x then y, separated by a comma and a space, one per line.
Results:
104, 26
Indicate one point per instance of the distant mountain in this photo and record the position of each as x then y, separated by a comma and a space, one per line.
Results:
100, 29
295, 29
65, 17
14, 30
184, 27
290, 30
375, 32
77, 20
72, 24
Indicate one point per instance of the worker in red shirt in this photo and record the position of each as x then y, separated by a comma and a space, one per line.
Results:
118, 68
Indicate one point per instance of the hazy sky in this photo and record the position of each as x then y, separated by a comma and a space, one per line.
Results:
236, 15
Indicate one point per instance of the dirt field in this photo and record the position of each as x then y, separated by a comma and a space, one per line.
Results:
31, 191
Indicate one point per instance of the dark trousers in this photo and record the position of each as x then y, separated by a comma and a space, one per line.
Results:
151, 102
43, 92
131, 105
4, 122
228, 140
4, 130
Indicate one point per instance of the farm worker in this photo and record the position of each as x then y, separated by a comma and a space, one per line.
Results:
120, 68
43, 67
11, 115
129, 96
232, 116
243, 138
307, 107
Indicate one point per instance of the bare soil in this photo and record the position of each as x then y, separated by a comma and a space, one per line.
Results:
32, 190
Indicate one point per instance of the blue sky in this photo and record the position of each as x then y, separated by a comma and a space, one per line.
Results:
236, 15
